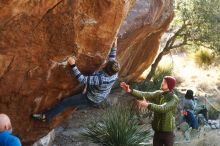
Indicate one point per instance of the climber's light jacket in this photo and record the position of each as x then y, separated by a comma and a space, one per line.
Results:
164, 106
98, 84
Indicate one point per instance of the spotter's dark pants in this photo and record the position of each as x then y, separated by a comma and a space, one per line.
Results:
163, 138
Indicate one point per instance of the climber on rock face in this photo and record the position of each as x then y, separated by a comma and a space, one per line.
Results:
98, 84
6, 137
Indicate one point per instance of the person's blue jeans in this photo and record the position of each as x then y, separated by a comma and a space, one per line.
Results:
79, 100
191, 120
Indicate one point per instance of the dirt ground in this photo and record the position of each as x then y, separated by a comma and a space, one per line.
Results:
201, 81
68, 133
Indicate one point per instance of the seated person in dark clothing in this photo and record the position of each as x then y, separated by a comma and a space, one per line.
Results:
189, 107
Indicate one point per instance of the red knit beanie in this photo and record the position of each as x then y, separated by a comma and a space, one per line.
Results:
171, 82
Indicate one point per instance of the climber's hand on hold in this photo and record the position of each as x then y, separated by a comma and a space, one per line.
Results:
71, 60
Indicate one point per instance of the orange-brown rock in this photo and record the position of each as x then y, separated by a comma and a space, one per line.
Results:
35, 36
141, 33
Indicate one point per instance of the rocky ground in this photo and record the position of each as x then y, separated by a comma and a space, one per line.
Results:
68, 134
202, 81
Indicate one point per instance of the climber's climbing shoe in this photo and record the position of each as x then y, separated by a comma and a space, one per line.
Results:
40, 117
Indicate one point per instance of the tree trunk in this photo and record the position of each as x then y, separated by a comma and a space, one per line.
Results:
170, 44
155, 64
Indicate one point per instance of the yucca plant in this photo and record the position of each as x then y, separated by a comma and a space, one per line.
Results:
117, 128
204, 57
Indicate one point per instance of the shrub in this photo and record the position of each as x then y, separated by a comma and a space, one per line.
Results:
213, 113
161, 71
144, 86
156, 79
117, 128
204, 57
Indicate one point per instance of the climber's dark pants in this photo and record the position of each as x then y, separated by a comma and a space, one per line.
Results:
191, 120
163, 139
79, 100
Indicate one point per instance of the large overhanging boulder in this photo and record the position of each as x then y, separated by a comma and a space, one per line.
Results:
36, 36
141, 33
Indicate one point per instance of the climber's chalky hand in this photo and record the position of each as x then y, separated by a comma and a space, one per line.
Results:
71, 60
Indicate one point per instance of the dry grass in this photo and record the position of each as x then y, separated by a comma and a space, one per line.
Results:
200, 80
204, 86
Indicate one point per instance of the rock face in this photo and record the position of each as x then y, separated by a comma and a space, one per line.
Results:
141, 33
37, 36
46, 140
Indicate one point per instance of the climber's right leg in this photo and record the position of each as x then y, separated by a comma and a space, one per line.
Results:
76, 100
